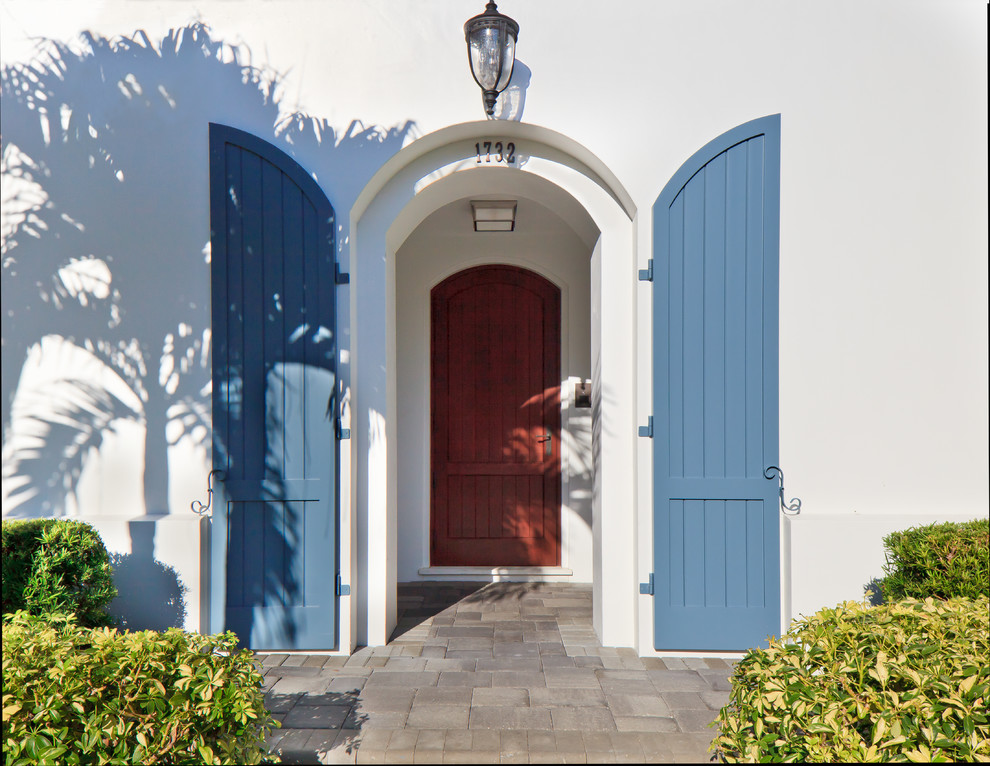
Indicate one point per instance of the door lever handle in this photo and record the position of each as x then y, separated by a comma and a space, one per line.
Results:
547, 439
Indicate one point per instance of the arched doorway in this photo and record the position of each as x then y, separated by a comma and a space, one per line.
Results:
430, 174
546, 245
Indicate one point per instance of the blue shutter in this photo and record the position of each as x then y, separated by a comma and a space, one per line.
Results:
716, 526
274, 367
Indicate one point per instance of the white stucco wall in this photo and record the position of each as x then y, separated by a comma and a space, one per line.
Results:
854, 557
883, 274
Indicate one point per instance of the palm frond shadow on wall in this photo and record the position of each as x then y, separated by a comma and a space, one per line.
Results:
105, 244
105, 258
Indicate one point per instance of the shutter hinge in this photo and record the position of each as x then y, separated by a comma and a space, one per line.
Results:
340, 277
646, 588
647, 430
342, 433
342, 590
646, 275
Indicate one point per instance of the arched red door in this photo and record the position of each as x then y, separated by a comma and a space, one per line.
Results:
495, 419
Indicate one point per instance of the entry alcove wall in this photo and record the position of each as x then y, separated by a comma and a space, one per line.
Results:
553, 237
434, 171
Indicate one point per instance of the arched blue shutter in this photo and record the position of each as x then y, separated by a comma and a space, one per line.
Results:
716, 525
274, 367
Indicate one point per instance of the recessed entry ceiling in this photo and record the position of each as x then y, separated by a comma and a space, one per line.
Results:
443, 209
455, 221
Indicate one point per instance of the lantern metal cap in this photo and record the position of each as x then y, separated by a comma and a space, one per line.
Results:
483, 19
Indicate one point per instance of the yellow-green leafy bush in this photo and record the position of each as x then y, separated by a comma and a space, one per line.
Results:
938, 560
79, 695
56, 565
904, 681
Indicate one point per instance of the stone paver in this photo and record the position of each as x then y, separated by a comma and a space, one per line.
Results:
645, 723
571, 678
316, 717
447, 695
582, 718
501, 717
488, 697
678, 681
694, 720
567, 697
496, 673
715, 700
438, 716
640, 705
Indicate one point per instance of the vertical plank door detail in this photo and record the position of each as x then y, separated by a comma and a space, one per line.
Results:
716, 540
495, 395
274, 356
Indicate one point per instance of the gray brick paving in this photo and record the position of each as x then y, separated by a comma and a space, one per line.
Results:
640, 705
281, 703
292, 685
645, 723
567, 697
448, 695
292, 672
684, 700
488, 697
715, 700
510, 718
438, 716
497, 673
678, 681
694, 720
346, 684
581, 718
316, 717
571, 678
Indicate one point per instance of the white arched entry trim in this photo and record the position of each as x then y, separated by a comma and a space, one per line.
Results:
401, 195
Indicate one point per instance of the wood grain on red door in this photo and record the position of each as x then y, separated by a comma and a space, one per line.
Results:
495, 419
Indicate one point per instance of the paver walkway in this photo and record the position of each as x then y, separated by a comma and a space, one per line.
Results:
493, 673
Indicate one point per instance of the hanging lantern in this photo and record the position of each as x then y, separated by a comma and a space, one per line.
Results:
491, 41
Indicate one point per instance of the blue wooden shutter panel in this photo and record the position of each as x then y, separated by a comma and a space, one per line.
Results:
715, 319
274, 367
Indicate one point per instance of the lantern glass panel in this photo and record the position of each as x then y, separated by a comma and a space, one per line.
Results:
486, 54
508, 59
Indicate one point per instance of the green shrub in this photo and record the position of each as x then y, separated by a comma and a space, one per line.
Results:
21, 540
79, 695
56, 565
903, 681
938, 560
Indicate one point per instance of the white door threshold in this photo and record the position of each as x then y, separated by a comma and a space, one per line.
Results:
495, 574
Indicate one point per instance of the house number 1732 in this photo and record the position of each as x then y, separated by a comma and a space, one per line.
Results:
495, 151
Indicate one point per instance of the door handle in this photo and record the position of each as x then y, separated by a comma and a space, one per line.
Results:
547, 438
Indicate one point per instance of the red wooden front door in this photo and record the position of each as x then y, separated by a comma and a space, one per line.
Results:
495, 356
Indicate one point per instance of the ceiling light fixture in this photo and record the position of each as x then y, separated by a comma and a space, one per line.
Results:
494, 214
